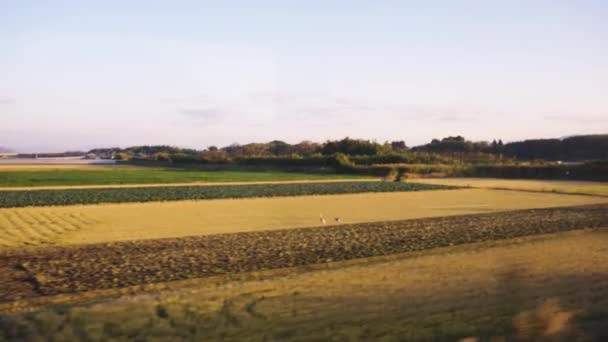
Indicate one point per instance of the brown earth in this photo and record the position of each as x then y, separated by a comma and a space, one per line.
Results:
550, 287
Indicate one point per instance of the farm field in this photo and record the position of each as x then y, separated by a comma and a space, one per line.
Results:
248, 261
70, 175
55, 197
323, 171
558, 186
545, 287
57, 270
79, 224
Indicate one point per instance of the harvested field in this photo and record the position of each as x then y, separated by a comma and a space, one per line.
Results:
51, 271
556, 186
25, 198
539, 288
34, 228
134, 221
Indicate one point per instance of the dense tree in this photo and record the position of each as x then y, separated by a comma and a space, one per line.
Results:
306, 148
446, 150
457, 144
353, 147
399, 146
584, 147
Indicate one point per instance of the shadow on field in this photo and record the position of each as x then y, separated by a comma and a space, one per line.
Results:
566, 308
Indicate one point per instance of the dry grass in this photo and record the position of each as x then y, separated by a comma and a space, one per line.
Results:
47, 167
117, 222
558, 186
39, 228
536, 287
44, 272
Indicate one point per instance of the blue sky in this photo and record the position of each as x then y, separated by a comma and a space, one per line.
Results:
81, 74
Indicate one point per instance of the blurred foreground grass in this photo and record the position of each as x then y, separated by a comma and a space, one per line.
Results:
541, 288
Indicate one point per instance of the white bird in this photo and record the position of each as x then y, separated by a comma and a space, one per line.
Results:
321, 218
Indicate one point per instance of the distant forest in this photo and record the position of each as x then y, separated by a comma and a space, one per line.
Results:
445, 151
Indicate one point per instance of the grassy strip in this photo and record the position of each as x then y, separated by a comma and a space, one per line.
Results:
11, 199
110, 175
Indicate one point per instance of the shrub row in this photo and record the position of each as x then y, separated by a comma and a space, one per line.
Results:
589, 171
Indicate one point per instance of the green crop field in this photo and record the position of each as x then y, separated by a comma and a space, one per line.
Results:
53, 175
25, 198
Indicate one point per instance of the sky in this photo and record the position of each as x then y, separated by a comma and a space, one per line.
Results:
81, 74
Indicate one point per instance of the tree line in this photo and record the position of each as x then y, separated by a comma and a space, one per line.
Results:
448, 150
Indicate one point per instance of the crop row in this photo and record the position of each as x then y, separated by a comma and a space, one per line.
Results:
11, 199
55, 270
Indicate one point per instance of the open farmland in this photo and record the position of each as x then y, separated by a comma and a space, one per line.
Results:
213, 244
78, 175
533, 288
557, 186
25, 198
78, 224
55, 270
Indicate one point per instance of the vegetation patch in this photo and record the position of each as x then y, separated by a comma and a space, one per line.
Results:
10, 199
45, 175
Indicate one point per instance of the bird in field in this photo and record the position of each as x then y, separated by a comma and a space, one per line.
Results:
321, 218
337, 219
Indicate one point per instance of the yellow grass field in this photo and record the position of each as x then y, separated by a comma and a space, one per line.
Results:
573, 187
115, 222
538, 287
46, 167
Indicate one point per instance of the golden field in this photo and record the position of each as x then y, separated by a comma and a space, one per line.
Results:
39, 226
559, 186
535, 288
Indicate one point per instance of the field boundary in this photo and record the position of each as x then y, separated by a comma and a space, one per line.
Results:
157, 185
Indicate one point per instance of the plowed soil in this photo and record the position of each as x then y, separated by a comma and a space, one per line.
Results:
57, 270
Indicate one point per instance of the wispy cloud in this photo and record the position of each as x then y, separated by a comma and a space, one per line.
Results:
7, 100
576, 118
456, 118
317, 109
293, 109
205, 115
200, 98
